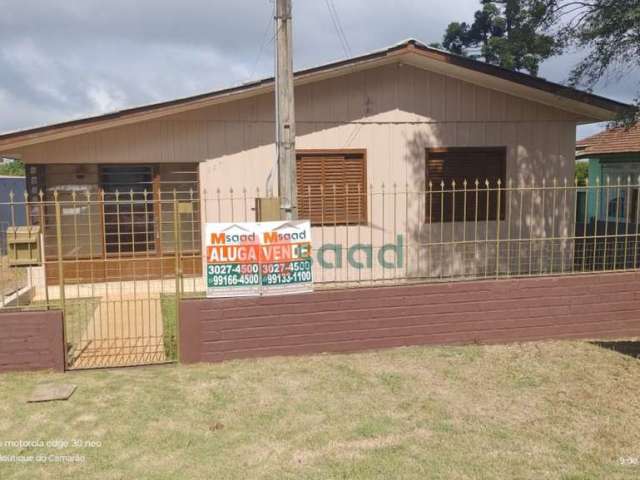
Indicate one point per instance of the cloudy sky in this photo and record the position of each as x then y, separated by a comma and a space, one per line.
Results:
64, 59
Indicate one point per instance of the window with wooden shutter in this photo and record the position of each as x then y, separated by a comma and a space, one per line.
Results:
459, 164
332, 187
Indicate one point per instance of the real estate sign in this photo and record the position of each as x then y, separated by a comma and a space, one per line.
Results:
260, 258
233, 260
285, 261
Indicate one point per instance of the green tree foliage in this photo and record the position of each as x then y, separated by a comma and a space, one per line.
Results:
508, 33
608, 30
582, 173
13, 168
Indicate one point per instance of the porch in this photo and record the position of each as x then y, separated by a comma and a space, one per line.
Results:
105, 223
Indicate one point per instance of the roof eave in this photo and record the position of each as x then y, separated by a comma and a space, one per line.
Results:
583, 154
590, 107
52, 132
594, 107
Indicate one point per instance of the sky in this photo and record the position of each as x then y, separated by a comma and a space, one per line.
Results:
66, 59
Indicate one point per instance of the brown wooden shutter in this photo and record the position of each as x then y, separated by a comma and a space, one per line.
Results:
460, 164
332, 187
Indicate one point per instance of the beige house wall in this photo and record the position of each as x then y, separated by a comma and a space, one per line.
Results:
394, 112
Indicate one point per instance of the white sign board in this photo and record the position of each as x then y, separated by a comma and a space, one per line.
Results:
260, 258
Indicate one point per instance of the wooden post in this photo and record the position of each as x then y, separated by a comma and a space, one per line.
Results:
285, 114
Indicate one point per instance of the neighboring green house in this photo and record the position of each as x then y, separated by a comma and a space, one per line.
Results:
614, 174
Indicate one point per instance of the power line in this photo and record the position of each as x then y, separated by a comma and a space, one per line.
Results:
340, 30
265, 40
337, 25
344, 36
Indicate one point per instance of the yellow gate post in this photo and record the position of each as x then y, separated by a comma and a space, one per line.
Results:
60, 270
178, 268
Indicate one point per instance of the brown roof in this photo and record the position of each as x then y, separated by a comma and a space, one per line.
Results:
611, 141
13, 139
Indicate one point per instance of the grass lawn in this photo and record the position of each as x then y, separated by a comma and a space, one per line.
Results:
557, 410
78, 313
170, 340
168, 307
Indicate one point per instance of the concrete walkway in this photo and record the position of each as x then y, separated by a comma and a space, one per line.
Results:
120, 332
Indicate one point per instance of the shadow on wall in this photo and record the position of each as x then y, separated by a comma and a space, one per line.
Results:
530, 237
321, 106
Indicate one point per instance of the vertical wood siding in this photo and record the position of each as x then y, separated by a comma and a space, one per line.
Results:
405, 109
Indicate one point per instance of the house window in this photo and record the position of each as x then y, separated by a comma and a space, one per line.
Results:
619, 192
332, 187
35, 183
129, 225
616, 206
459, 164
623, 205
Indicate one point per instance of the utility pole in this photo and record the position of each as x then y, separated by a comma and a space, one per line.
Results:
285, 113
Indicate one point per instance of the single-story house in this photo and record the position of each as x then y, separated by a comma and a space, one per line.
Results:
614, 159
397, 118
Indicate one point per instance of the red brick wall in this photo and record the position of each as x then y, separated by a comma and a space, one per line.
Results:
31, 340
601, 305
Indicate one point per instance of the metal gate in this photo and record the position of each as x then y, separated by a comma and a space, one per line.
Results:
109, 329
116, 264
120, 297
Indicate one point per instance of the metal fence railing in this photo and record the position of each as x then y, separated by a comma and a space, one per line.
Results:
117, 263
464, 230
13, 278
114, 245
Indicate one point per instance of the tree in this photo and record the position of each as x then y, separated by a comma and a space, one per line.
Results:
582, 173
609, 30
14, 168
508, 33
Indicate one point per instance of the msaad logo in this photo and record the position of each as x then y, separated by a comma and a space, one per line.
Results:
277, 236
233, 234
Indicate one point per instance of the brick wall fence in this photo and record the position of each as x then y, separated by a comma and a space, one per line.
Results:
31, 340
604, 305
